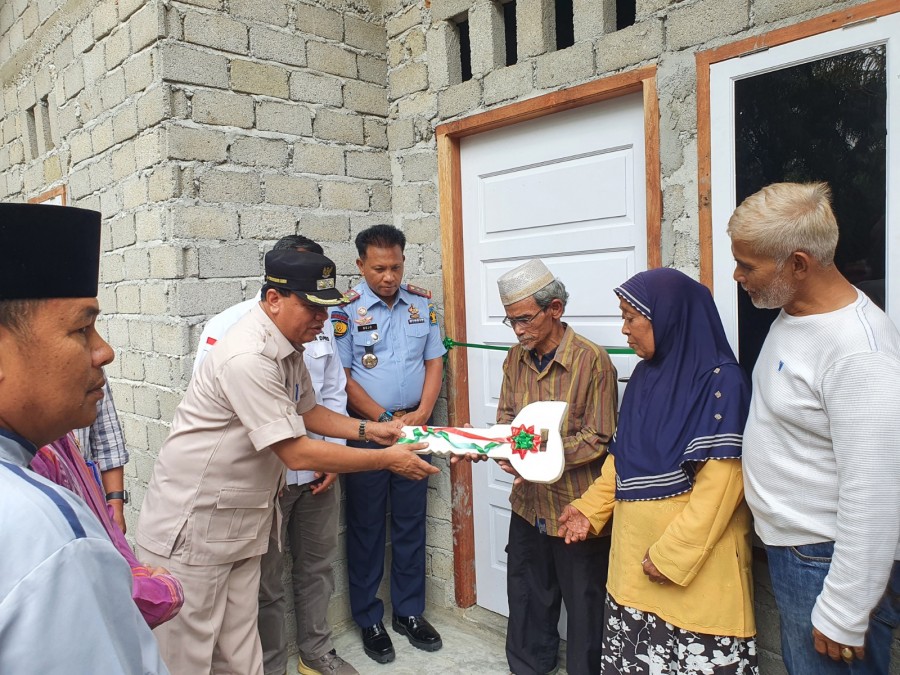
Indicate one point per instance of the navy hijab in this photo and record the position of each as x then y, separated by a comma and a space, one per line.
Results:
689, 402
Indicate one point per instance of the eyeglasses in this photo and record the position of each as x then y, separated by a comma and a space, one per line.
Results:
522, 320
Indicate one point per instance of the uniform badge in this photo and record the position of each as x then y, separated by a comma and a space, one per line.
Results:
340, 322
432, 315
414, 315
415, 290
362, 311
363, 320
349, 297
369, 360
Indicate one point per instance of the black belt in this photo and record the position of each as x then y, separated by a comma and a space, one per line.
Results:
394, 413
401, 413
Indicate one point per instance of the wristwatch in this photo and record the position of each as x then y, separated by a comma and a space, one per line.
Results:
385, 416
362, 430
123, 495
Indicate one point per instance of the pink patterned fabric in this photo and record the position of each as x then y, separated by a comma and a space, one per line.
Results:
158, 597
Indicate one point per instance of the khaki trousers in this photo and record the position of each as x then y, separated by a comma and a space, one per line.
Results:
310, 528
215, 631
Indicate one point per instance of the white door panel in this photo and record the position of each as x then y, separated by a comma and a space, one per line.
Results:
585, 189
567, 188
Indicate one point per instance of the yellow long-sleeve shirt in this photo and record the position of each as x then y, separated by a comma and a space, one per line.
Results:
700, 540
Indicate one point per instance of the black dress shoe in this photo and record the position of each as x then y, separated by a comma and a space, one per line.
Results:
418, 631
377, 643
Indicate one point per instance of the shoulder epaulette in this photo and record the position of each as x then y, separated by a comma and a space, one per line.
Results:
415, 290
351, 295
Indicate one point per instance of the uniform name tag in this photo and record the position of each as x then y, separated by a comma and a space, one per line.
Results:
368, 326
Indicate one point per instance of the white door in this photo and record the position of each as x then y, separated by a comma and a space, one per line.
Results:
568, 188
883, 33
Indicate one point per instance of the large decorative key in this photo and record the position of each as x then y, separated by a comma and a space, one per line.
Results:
532, 443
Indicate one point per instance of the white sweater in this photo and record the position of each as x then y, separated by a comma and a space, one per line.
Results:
822, 452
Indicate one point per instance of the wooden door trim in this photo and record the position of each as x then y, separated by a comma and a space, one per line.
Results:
448, 136
59, 191
757, 43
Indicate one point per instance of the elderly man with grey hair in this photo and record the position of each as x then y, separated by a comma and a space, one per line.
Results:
821, 459
551, 362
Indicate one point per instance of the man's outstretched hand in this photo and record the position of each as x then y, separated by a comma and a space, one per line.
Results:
402, 460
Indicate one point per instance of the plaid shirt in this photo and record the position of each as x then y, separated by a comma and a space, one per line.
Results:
581, 374
103, 441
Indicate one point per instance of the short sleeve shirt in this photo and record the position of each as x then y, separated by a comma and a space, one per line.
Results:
216, 477
401, 337
319, 355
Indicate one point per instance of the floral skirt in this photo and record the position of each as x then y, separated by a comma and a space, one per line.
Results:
640, 643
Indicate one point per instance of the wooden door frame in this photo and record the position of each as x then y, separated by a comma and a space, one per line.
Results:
757, 43
448, 137
59, 191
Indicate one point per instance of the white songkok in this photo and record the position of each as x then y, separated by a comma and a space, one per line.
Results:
523, 281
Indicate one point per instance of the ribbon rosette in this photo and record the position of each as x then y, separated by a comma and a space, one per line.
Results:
523, 439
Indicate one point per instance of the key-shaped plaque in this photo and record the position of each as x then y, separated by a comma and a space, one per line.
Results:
532, 443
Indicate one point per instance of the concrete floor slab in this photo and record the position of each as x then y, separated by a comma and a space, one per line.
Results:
474, 644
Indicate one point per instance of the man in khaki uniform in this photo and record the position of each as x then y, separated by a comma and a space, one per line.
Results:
209, 508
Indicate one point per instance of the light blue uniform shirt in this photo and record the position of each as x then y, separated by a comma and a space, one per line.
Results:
402, 337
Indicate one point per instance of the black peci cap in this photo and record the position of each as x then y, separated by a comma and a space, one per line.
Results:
48, 252
309, 275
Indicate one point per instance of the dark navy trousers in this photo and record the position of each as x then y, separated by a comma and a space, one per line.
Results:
368, 495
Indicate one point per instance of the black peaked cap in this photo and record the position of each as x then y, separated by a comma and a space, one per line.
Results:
309, 275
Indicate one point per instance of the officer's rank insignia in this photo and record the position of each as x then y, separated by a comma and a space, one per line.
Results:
350, 296
340, 322
415, 290
414, 315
